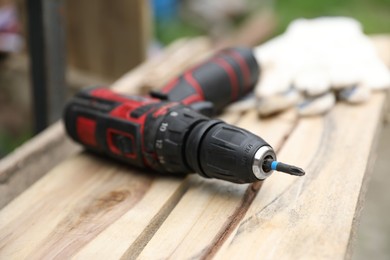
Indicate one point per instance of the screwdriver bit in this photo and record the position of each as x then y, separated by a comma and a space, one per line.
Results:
270, 164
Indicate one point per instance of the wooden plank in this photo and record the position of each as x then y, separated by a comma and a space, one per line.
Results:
312, 217
79, 208
30, 156
32, 160
178, 56
81, 198
200, 193
262, 22
87, 204
77, 204
35, 158
129, 244
213, 205
209, 211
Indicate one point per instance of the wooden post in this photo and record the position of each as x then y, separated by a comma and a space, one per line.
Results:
46, 47
107, 38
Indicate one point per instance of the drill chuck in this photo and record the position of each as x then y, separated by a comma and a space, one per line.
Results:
219, 150
189, 142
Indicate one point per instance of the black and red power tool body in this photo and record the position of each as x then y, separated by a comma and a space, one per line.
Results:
169, 130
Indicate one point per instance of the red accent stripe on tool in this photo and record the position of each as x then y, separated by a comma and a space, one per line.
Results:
190, 79
105, 93
243, 66
232, 76
164, 109
169, 86
85, 128
191, 99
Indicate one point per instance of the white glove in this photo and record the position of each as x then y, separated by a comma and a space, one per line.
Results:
313, 62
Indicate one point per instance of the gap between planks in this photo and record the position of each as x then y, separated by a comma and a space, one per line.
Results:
149, 75
224, 244
35, 158
213, 205
60, 180
60, 218
75, 229
312, 217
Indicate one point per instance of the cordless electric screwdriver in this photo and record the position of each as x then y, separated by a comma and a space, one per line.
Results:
170, 131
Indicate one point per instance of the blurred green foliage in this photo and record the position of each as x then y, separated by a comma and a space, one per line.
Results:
167, 32
373, 14
9, 141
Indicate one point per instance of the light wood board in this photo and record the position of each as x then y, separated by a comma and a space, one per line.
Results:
32, 160
91, 207
207, 204
313, 217
95, 29
35, 158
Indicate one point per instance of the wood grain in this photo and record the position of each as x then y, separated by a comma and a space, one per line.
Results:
210, 209
311, 217
91, 207
88, 202
158, 207
80, 199
95, 30
32, 160
151, 74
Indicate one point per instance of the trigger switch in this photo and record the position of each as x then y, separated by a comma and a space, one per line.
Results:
158, 95
124, 144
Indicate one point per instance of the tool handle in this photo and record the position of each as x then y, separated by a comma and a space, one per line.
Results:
213, 84
106, 122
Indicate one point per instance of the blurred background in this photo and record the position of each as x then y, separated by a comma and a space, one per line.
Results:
98, 41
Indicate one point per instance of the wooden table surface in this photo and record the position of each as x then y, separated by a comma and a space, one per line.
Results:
87, 207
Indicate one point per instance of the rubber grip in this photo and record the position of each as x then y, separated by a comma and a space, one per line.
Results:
222, 79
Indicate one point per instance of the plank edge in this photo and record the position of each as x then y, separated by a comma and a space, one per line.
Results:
369, 171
